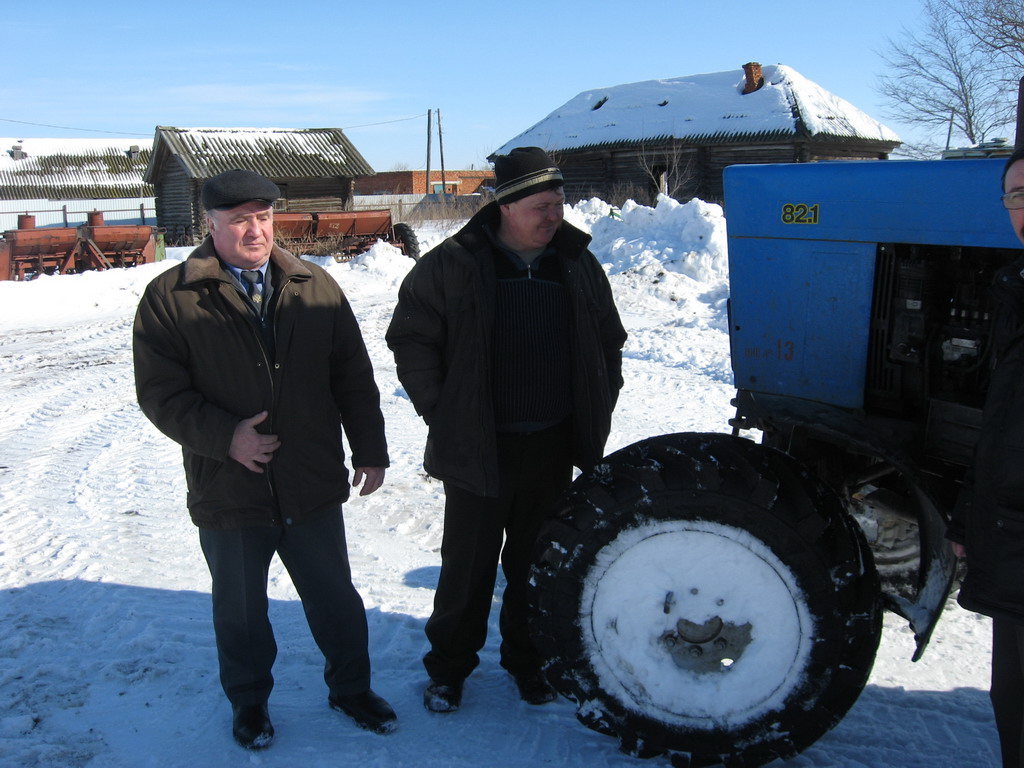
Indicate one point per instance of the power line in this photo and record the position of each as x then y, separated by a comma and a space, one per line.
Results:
386, 122
69, 128
129, 133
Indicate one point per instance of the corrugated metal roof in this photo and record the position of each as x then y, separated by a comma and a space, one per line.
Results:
73, 169
279, 153
704, 109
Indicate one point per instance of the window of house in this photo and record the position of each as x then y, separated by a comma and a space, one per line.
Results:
281, 204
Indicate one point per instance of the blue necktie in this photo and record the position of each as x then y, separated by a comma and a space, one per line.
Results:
253, 280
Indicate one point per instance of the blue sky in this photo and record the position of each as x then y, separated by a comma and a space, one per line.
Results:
375, 69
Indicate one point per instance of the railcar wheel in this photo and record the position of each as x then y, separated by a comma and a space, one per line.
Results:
702, 596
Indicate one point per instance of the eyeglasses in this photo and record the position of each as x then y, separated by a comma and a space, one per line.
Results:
1014, 200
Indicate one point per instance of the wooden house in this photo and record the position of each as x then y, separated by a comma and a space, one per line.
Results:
60, 181
314, 167
675, 136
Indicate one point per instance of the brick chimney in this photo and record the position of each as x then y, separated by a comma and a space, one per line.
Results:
755, 80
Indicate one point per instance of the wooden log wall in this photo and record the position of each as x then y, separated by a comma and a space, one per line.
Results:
614, 174
314, 195
175, 195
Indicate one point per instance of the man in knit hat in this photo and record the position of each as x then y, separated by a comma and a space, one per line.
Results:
253, 362
509, 345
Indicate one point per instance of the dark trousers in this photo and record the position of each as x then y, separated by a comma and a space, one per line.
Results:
316, 557
534, 469
1007, 689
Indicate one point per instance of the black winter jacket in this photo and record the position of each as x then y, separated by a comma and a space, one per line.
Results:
441, 338
989, 518
200, 368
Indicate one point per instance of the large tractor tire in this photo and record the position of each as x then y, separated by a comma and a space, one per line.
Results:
704, 597
406, 238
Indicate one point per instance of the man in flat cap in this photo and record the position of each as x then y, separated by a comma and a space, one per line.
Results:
509, 345
252, 360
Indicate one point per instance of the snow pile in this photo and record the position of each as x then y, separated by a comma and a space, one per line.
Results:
669, 270
674, 252
383, 263
684, 238
53, 302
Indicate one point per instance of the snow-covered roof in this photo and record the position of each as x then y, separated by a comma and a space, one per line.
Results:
73, 168
708, 108
279, 153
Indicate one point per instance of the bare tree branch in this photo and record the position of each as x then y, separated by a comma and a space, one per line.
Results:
667, 166
942, 76
998, 27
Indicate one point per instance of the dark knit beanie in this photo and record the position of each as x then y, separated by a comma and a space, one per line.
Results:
523, 172
231, 188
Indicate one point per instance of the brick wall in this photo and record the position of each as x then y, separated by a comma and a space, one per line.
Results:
415, 182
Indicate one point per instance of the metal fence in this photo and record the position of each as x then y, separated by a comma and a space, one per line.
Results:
416, 208
71, 213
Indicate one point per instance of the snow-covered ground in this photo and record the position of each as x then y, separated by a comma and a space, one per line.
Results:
107, 655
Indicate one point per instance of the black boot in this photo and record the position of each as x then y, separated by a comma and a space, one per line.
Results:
443, 697
534, 688
368, 710
251, 725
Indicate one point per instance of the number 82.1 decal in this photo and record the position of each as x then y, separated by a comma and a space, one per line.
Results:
799, 213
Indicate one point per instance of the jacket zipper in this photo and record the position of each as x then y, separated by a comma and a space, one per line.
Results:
257, 333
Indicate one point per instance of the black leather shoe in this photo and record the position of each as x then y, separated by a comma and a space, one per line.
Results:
442, 697
534, 689
368, 710
251, 725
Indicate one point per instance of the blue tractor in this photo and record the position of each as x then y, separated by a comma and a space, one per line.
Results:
726, 589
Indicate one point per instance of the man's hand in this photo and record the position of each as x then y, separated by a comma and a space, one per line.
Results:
371, 479
249, 446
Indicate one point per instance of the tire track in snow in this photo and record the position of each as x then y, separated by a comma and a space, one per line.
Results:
75, 390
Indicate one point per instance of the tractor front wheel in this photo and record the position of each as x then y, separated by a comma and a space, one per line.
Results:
704, 596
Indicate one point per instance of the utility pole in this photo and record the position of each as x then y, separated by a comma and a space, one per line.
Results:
429, 133
440, 150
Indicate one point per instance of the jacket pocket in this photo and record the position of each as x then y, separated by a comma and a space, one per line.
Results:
995, 553
200, 473
218, 485
999, 457
1004, 479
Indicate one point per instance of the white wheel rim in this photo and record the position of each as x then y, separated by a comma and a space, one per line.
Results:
648, 578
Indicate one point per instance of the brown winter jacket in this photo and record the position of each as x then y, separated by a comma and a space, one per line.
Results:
441, 338
200, 368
